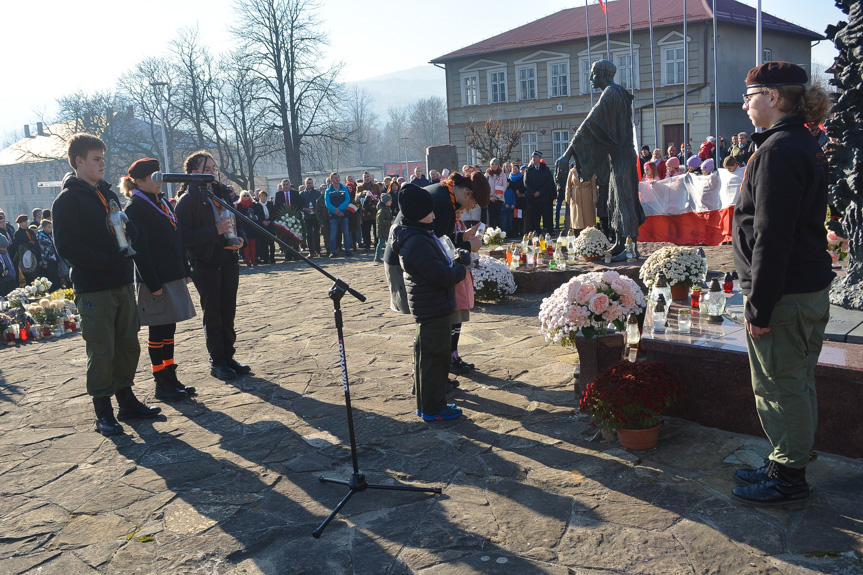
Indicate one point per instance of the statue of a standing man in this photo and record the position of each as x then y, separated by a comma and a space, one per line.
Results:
606, 137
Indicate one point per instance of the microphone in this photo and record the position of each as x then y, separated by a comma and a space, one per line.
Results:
201, 179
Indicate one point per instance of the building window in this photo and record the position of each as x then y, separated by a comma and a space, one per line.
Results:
526, 83
558, 79
768, 55
497, 86
472, 156
528, 145
585, 65
624, 67
672, 65
559, 143
470, 90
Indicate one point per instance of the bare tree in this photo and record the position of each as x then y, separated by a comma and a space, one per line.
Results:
195, 83
395, 133
285, 39
494, 139
427, 123
362, 122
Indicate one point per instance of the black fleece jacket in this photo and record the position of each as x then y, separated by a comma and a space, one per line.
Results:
160, 258
780, 244
82, 237
204, 244
429, 278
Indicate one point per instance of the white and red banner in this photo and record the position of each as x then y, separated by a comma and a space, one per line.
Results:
690, 210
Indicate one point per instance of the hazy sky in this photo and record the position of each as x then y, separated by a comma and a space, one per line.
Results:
51, 50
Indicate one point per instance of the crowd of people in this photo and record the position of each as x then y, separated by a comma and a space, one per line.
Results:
27, 250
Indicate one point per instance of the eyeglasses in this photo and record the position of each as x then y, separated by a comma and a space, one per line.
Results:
747, 97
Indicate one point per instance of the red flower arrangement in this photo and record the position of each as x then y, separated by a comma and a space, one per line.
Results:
630, 395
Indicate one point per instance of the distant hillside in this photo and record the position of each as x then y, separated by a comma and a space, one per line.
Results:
402, 88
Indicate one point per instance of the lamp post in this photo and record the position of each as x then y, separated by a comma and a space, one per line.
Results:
157, 91
407, 169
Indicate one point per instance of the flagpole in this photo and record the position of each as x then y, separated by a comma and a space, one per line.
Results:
715, 85
632, 66
759, 48
607, 41
589, 59
685, 84
653, 76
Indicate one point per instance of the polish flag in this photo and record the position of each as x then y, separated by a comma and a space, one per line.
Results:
690, 209
604, 9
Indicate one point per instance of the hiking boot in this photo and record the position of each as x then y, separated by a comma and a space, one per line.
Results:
463, 363
165, 388
132, 408
457, 368
784, 487
752, 476
106, 423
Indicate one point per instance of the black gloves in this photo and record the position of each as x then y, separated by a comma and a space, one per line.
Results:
464, 257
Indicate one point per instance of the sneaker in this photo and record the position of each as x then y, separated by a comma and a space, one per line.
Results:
456, 368
463, 363
449, 412
452, 405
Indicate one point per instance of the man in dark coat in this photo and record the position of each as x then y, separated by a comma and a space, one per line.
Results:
540, 190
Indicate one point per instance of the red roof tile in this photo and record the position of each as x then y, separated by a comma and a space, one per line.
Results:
568, 25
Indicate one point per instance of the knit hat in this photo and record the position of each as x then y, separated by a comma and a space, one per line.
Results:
673, 163
537, 153
481, 189
444, 174
143, 168
772, 74
711, 139
494, 161
708, 166
693, 162
385, 198
415, 202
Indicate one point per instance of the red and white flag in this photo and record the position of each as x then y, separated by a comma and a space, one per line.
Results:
604, 8
690, 210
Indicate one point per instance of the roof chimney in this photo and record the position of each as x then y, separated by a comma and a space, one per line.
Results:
39, 129
27, 131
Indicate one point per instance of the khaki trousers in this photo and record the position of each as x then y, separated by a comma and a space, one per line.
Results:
782, 364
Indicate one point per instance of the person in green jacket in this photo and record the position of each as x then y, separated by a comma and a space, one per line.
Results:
384, 221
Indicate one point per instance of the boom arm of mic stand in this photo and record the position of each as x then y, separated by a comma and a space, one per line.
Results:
342, 285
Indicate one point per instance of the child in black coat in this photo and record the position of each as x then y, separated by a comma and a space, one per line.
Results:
430, 277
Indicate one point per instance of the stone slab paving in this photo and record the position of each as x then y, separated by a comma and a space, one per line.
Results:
228, 484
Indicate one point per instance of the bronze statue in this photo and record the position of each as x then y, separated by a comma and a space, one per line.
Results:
605, 139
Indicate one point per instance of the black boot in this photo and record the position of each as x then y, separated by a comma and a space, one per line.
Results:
165, 388
784, 487
132, 408
105, 424
172, 374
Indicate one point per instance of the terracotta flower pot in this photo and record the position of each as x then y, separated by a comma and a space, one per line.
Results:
591, 258
595, 355
680, 292
638, 438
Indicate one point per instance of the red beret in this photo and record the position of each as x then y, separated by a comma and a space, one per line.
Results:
21, 218
776, 74
143, 168
481, 189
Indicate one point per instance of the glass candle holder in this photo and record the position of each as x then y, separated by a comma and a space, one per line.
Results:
684, 320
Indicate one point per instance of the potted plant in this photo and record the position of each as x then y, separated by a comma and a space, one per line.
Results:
579, 312
682, 266
494, 237
591, 244
492, 281
630, 397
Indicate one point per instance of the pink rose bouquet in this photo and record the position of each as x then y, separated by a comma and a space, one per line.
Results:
588, 303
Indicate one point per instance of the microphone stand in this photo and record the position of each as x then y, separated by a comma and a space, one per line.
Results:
357, 481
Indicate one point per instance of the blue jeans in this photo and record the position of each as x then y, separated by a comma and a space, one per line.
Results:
337, 222
506, 221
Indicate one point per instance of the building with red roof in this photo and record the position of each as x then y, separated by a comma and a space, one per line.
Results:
536, 75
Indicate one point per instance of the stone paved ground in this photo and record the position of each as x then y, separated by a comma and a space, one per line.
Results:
229, 483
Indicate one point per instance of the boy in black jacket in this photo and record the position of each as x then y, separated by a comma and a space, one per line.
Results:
102, 278
430, 278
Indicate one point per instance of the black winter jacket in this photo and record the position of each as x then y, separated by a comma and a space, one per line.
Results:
82, 237
539, 180
204, 245
780, 244
160, 257
429, 278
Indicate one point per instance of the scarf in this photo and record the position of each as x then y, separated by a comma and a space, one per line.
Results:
515, 177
